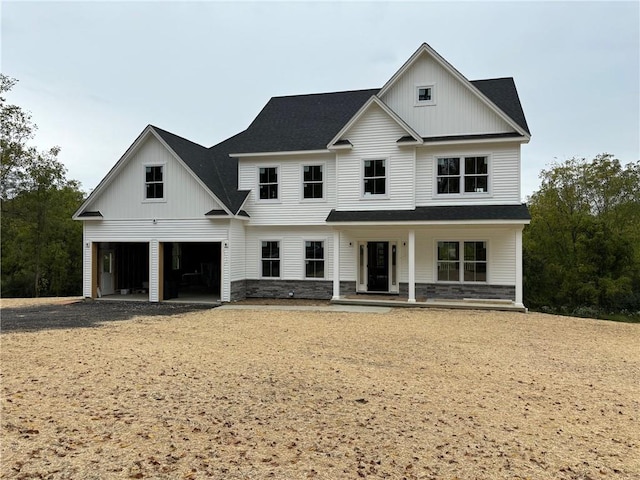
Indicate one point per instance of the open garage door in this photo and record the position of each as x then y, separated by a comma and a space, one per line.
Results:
192, 271
123, 270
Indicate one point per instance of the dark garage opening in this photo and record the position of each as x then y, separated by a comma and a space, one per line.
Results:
192, 270
123, 269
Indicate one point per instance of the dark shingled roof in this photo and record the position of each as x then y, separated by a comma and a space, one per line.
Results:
218, 172
431, 214
297, 123
302, 122
502, 92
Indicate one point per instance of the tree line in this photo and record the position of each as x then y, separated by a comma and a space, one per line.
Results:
581, 251
41, 245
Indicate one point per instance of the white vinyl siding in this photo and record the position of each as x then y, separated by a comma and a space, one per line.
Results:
292, 255
374, 136
237, 249
458, 111
504, 174
292, 208
124, 198
500, 251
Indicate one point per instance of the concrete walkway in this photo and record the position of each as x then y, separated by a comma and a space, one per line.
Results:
304, 308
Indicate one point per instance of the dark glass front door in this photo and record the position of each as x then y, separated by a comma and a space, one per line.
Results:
378, 267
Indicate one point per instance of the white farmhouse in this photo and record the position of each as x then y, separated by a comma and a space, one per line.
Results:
412, 190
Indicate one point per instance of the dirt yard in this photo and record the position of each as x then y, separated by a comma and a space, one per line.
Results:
241, 394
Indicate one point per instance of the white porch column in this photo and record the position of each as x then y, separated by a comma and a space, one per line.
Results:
154, 273
411, 244
336, 265
519, 268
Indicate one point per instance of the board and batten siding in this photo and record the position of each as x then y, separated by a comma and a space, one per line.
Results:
457, 110
504, 174
290, 208
374, 136
124, 196
501, 253
292, 262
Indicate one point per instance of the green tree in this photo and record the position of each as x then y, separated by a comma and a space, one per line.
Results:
41, 245
582, 247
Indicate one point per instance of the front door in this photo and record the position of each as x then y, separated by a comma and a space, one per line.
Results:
107, 286
378, 266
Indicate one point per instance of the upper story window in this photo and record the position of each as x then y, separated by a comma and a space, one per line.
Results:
462, 175
154, 182
474, 261
425, 95
375, 177
312, 182
268, 183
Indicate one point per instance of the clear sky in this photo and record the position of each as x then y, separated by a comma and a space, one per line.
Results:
94, 74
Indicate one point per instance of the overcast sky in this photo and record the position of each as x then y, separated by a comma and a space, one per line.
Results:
94, 74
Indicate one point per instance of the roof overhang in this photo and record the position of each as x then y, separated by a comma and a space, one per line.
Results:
508, 137
436, 215
89, 215
271, 154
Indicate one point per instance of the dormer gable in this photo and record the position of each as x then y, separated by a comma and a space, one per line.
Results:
436, 100
409, 136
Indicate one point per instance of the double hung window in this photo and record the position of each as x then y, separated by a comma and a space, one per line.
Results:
270, 258
375, 177
268, 183
462, 261
462, 175
312, 181
153, 182
314, 259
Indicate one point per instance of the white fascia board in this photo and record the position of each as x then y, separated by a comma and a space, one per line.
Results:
428, 223
278, 154
108, 178
195, 177
375, 99
425, 48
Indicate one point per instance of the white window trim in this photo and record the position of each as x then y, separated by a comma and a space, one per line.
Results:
460, 280
279, 174
462, 194
164, 183
425, 103
324, 182
271, 239
387, 169
304, 258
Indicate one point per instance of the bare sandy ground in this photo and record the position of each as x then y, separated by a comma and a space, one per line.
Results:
242, 394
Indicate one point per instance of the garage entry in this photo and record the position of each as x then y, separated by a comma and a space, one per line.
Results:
123, 269
191, 271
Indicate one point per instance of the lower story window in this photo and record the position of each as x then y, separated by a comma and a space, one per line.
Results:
462, 261
270, 259
314, 259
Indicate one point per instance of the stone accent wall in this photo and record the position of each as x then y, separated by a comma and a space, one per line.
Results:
462, 290
238, 290
347, 288
313, 289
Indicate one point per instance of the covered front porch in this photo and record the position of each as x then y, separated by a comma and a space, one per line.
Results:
428, 263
